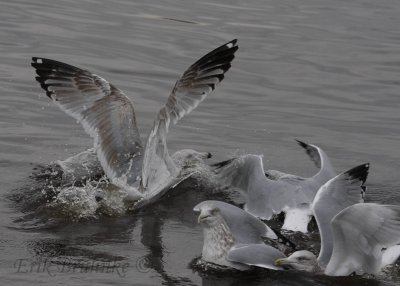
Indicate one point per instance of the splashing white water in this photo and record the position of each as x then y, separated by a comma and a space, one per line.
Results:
88, 202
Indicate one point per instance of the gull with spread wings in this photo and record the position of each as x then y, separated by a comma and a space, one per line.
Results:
272, 192
147, 171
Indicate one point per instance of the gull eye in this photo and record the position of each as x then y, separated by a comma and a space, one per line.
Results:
302, 258
214, 211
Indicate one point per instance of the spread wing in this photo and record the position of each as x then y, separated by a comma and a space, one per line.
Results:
105, 112
317, 156
360, 233
192, 88
321, 161
264, 197
334, 196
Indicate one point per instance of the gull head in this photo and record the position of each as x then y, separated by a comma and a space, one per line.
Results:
209, 216
189, 161
300, 260
188, 156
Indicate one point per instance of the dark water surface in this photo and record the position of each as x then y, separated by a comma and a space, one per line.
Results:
326, 72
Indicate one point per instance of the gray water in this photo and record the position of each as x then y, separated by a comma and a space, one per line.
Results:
325, 72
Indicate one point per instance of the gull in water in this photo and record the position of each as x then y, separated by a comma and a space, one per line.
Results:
220, 246
107, 115
273, 192
233, 237
355, 237
365, 239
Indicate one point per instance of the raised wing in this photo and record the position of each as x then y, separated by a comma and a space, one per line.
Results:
321, 161
191, 89
313, 152
105, 112
240, 172
317, 156
360, 232
264, 197
334, 196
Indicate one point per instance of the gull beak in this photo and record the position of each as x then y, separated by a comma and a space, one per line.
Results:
201, 217
280, 262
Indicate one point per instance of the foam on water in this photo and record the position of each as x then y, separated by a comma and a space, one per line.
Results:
90, 201
75, 203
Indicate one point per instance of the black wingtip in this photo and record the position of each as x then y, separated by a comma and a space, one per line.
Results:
231, 43
301, 143
360, 172
363, 191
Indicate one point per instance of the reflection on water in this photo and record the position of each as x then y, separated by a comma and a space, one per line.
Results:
325, 72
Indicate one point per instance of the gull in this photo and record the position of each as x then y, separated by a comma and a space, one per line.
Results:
144, 172
340, 192
245, 227
273, 192
365, 240
355, 237
233, 237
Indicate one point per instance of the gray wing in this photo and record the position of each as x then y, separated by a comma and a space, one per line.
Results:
337, 194
240, 172
360, 232
259, 255
313, 152
317, 156
105, 112
321, 161
245, 228
264, 197
191, 89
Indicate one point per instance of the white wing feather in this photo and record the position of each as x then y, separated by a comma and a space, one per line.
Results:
105, 112
360, 233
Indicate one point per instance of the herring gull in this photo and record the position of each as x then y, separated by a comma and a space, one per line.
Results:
273, 192
355, 237
233, 237
145, 172
245, 227
365, 239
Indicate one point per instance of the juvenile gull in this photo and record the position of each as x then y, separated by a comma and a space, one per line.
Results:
233, 238
245, 227
108, 116
273, 192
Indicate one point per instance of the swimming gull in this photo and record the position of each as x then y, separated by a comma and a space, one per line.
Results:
233, 238
273, 192
355, 237
108, 116
245, 227
365, 239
